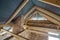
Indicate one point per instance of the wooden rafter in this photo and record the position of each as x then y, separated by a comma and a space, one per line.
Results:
30, 11
17, 36
46, 16
30, 16
44, 11
50, 18
54, 2
49, 15
43, 29
42, 23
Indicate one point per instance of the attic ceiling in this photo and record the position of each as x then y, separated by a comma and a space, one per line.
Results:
7, 7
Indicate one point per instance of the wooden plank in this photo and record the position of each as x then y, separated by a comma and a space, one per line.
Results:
17, 11
44, 25
52, 2
48, 13
42, 33
18, 37
51, 15
44, 29
33, 31
46, 16
40, 21
29, 17
50, 18
30, 11
8, 38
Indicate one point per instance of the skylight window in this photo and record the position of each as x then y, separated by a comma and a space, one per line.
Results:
38, 17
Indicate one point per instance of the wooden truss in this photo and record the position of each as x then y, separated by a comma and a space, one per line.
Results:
49, 15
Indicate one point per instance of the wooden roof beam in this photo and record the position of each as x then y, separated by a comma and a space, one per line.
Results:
43, 29
17, 36
54, 2
41, 33
49, 15
50, 18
